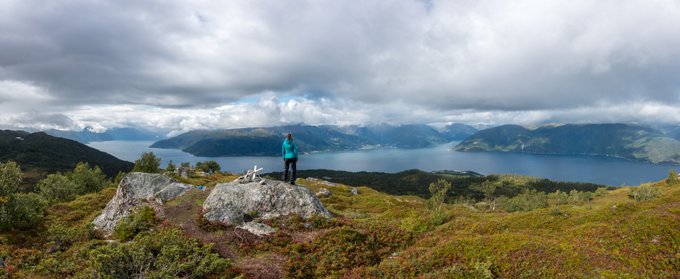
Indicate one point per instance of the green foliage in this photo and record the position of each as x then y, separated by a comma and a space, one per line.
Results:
643, 193
61, 237
413, 221
526, 201
18, 210
138, 221
672, 177
488, 187
532, 199
438, 193
576, 197
208, 166
27, 210
601, 192
148, 162
159, 254
558, 198
89, 179
10, 178
119, 177
80, 211
171, 166
59, 188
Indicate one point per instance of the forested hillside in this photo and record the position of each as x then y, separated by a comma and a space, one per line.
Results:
613, 140
40, 153
267, 141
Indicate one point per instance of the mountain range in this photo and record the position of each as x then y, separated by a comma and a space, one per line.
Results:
613, 140
267, 141
88, 134
42, 153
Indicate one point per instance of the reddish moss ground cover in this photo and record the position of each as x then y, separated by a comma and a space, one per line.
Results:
374, 235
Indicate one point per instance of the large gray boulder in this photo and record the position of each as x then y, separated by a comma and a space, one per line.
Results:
235, 202
134, 190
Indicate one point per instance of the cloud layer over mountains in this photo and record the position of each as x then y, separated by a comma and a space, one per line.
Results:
187, 64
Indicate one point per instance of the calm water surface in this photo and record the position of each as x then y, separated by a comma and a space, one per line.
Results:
602, 170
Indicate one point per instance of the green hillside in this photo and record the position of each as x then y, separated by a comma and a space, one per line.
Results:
39, 153
612, 140
258, 141
267, 141
373, 235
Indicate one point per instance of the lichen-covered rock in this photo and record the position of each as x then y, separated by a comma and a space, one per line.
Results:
354, 191
323, 193
134, 190
256, 228
235, 202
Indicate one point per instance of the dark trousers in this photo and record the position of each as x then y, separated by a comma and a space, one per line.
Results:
292, 163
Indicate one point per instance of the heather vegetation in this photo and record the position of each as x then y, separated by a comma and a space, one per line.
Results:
464, 185
502, 229
139, 221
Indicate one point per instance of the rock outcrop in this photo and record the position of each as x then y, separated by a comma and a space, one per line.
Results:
240, 201
354, 191
323, 193
134, 190
256, 228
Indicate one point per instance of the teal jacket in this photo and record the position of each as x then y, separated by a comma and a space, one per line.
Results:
289, 150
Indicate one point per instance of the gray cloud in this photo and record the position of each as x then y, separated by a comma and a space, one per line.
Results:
37, 121
531, 60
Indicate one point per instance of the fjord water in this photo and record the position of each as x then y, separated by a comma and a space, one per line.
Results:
610, 171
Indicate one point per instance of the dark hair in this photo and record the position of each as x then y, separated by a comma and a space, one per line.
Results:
289, 136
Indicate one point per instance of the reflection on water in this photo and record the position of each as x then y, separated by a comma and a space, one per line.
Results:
566, 168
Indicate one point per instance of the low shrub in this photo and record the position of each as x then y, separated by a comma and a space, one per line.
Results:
62, 237
601, 192
414, 221
526, 201
643, 193
577, 197
27, 210
140, 220
333, 254
159, 254
672, 178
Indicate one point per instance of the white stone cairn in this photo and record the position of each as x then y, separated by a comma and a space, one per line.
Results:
251, 176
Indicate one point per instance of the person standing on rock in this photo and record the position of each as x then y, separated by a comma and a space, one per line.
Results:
290, 156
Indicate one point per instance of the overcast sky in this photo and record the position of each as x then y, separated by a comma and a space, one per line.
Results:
181, 65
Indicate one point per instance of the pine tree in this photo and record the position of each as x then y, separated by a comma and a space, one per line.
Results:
147, 163
171, 166
672, 177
